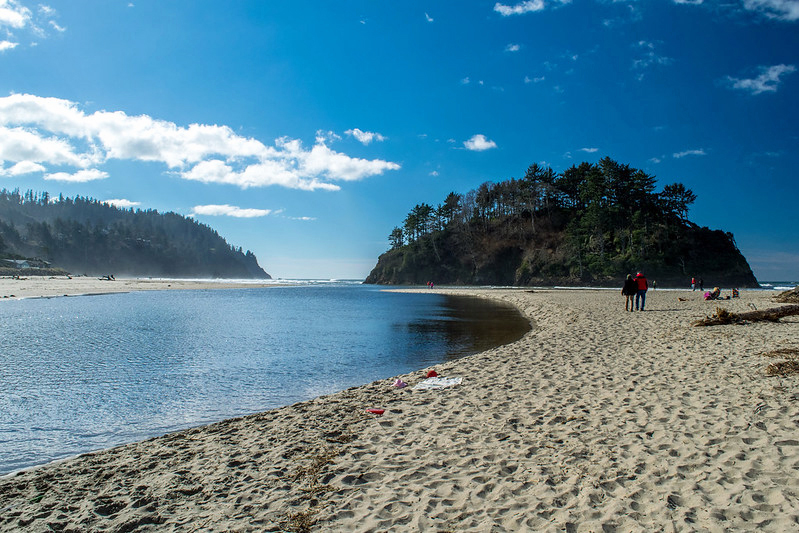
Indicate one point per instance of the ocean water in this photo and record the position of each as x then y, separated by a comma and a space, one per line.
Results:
84, 373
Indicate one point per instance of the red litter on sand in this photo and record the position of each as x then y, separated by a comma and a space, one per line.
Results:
432, 374
376, 411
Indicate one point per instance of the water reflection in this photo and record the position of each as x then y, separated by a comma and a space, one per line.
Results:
471, 325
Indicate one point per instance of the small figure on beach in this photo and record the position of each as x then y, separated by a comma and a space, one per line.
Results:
628, 290
701, 284
640, 295
693, 284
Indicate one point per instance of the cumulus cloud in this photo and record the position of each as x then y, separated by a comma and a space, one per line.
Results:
365, 137
122, 203
513, 48
13, 14
787, 10
21, 168
7, 45
679, 155
528, 6
768, 80
52, 132
479, 143
81, 176
229, 211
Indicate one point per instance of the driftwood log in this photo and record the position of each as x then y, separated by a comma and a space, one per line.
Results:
723, 316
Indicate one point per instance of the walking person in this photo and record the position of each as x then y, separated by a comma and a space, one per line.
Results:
640, 295
693, 284
628, 290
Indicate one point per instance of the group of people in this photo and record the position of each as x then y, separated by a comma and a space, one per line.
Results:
701, 284
635, 292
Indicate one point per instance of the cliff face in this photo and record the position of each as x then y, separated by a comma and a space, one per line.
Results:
549, 257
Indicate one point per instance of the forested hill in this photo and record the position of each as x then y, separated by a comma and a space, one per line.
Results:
86, 236
592, 224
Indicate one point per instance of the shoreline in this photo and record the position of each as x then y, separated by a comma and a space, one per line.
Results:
54, 287
597, 418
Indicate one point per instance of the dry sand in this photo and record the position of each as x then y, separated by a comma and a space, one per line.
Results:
52, 286
597, 420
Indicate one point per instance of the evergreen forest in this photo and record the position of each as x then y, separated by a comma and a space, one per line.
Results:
591, 224
85, 236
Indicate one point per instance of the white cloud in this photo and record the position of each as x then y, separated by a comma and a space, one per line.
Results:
229, 211
479, 143
81, 176
428, 18
465, 81
21, 168
528, 6
365, 137
690, 2
513, 48
13, 15
767, 81
122, 203
589, 150
55, 132
649, 56
679, 155
18, 23
528, 79
787, 10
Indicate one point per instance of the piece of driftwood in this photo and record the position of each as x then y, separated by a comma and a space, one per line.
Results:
723, 316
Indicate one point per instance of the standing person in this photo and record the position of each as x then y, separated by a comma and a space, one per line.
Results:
640, 295
693, 284
701, 284
628, 290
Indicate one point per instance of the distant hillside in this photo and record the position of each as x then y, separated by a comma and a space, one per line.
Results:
592, 224
86, 236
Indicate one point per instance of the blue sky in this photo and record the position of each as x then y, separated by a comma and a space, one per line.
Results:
306, 130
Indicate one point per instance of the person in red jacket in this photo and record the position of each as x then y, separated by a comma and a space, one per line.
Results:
642, 288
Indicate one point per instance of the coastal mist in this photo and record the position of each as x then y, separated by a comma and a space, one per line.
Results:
90, 372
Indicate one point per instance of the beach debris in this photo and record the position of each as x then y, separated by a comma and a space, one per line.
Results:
789, 296
435, 383
783, 368
724, 316
376, 411
432, 374
400, 384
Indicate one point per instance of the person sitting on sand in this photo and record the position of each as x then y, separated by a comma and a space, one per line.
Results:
628, 290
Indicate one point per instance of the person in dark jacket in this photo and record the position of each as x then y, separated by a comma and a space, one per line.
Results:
628, 290
640, 295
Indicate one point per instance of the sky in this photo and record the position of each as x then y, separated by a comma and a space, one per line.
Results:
305, 131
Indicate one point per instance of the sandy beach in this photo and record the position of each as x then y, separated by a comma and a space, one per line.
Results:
53, 286
597, 420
